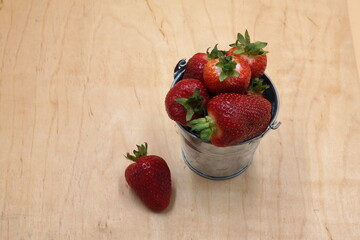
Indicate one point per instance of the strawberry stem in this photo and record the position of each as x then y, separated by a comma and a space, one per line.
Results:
141, 152
215, 53
192, 104
228, 67
257, 86
245, 46
205, 127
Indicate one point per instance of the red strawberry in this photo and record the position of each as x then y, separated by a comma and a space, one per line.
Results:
253, 53
195, 65
233, 118
187, 100
150, 178
227, 74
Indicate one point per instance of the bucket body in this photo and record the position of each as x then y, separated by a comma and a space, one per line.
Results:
219, 163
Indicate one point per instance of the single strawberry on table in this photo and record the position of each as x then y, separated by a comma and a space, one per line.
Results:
195, 65
227, 74
233, 118
186, 101
150, 178
253, 53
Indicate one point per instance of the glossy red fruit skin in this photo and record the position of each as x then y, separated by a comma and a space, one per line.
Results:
150, 178
230, 84
184, 89
195, 66
256, 95
257, 63
238, 117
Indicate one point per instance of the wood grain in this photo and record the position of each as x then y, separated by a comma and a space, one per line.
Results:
353, 7
82, 82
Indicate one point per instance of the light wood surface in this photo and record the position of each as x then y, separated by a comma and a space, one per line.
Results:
82, 82
354, 17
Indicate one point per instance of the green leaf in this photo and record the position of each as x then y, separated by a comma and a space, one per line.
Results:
260, 44
182, 101
228, 67
262, 52
247, 37
250, 47
140, 152
193, 104
255, 48
245, 46
196, 121
238, 51
241, 38
200, 126
220, 64
221, 54
215, 53
205, 134
130, 157
223, 76
189, 114
257, 86
235, 74
205, 127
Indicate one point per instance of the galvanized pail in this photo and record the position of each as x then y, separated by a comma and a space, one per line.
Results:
219, 163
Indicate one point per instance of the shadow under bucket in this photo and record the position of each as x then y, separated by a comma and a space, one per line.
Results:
221, 163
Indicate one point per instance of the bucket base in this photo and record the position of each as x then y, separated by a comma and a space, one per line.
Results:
214, 177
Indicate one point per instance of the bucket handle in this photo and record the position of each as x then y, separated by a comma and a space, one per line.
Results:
180, 66
275, 125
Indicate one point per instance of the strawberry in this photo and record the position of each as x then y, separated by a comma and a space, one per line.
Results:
149, 177
186, 101
253, 53
195, 65
227, 74
233, 118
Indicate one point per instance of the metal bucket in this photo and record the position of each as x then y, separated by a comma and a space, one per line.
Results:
220, 163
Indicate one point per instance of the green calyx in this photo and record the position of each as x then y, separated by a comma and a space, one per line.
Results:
205, 127
140, 152
245, 46
257, 86
215, 53
228, 67
192, 104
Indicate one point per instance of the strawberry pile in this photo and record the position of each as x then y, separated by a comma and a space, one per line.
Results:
220, 97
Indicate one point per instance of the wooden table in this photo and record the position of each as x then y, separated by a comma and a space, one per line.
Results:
82, 82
